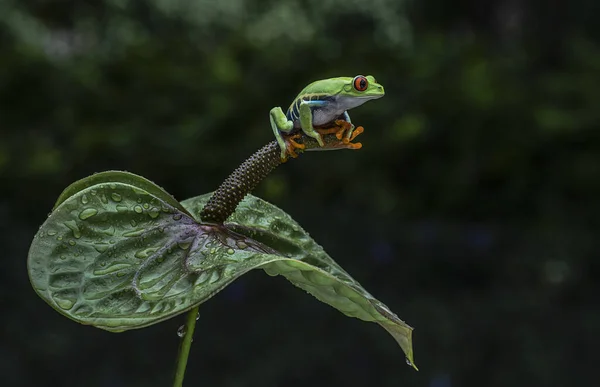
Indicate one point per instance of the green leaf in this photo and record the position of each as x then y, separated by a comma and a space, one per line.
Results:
120, 256
308, 266
120, 253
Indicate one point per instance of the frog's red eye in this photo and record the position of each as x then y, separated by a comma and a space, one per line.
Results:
360, 83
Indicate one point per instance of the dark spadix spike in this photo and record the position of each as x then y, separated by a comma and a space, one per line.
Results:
242, 181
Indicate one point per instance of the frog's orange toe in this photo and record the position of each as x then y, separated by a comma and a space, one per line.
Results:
356, 145
358, 130
292, 145
343, 124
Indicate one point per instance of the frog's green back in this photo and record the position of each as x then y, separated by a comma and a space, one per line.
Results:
331, 86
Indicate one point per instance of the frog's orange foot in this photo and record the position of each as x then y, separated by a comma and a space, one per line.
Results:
354, 145
292, 145
344, 126
358, 130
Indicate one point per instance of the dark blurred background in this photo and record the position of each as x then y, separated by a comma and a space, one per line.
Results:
471, 210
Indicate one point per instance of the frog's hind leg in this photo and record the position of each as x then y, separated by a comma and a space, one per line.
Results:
337, 130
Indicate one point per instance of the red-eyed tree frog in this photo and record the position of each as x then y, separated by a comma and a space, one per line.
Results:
320, 103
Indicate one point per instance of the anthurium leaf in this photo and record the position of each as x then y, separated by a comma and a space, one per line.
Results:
308, 266
118, 255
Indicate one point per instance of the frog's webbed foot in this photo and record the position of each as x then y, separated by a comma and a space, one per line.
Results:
348, 129
348, 141
350, 134
358, 130
292, 145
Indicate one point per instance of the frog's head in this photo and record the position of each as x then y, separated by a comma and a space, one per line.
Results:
358, 90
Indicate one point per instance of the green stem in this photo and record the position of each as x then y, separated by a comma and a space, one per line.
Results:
186, 345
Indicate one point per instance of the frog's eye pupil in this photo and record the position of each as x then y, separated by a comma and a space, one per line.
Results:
361, 83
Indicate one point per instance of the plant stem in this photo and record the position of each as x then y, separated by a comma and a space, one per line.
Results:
186, 345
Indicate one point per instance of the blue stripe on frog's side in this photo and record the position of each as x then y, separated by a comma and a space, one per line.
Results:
293, 112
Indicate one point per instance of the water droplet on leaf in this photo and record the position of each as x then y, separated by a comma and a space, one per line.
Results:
122, 208
138, 209
87, 213
115, 196
65, 303
154, 212
109, 231
181, 331
101, 247
184, 245
84, 199
73, 227
214, 277
134, 233
145, 253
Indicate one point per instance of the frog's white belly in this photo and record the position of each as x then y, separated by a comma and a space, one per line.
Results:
323, 115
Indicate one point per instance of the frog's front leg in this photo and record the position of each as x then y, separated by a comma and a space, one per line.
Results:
280, 123
306, 120
351, 129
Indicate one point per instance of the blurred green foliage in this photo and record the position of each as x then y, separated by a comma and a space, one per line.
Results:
475, 195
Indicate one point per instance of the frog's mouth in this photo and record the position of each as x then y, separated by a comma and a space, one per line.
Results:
348, 103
